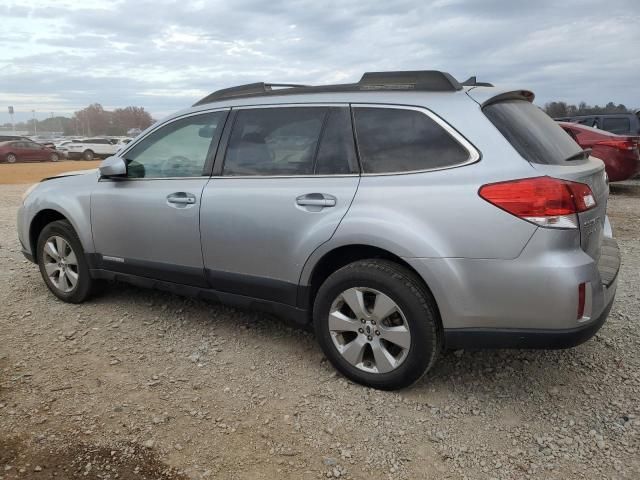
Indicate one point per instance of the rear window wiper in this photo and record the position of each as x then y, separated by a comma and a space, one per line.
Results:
581, 155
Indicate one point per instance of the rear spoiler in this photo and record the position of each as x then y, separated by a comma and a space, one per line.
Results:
487, 96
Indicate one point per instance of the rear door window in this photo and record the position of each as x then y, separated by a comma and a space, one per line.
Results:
393, 140
619, 125
274, 141
533, 133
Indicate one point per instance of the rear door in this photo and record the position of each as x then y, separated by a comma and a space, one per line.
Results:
32, 151
542, 142
284, 183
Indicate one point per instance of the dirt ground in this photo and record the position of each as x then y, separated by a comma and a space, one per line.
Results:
137, 384
21, 173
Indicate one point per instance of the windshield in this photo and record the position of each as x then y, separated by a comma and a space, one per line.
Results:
533, 133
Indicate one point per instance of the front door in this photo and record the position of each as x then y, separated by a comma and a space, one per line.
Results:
288, 178
148, 224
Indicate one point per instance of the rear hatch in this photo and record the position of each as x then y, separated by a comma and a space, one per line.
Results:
551, 151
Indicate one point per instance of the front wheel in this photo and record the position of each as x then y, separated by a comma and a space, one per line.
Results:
88, 155
11, 158
377, 324
62, 263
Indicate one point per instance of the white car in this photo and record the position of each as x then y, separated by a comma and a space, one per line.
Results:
90, 148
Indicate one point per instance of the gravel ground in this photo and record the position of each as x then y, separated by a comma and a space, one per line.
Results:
139, 384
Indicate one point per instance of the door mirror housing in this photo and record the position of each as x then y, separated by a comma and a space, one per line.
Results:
113, 167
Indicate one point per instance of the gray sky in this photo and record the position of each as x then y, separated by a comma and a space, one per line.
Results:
61, 55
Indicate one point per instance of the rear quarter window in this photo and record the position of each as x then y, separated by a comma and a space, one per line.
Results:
616, 125
531, 132
393, 140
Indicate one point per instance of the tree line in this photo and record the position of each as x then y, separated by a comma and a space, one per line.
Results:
90, 121
564, 109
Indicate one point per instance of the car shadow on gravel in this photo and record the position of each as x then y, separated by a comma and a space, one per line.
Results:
629, 189
509, 373
513, 375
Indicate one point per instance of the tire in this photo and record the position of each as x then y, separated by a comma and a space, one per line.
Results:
54, 157
414, 311
88, 155
49, 260
11, 158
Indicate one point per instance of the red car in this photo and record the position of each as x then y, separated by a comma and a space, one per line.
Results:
619, 153
26, 151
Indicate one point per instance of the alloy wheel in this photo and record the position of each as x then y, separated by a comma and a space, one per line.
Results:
60, 263
369, 330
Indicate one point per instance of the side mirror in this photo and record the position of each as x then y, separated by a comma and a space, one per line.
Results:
113, 167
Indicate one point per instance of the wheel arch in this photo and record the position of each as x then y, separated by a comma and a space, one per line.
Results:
314, 275
39, 221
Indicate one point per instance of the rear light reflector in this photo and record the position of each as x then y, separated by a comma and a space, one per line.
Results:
621, 144
581, 299
545, 201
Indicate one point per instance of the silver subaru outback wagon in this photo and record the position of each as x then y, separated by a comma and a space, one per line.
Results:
397, 216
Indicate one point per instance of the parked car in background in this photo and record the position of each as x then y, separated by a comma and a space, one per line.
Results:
26, 151
365, 211
63, 146
90, 148
619, 123
618, 152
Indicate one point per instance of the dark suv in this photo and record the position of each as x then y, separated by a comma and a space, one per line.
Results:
619, 123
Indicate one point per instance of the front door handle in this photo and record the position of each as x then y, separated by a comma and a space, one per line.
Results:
316, 200
181, 198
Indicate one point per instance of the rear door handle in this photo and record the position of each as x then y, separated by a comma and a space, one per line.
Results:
181, 198
316, 200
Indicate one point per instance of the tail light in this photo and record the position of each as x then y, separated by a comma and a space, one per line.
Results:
545, 201
621, 144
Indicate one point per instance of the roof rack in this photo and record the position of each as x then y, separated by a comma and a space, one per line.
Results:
259, 88
420, 80
472, 82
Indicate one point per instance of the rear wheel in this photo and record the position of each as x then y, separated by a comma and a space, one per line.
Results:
54, 157
377, 324
88, 155
62, 263
11, 158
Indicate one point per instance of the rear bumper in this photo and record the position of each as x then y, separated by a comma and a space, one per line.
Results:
471, 338
527, 302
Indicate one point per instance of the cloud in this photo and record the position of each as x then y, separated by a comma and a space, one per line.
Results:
164, 54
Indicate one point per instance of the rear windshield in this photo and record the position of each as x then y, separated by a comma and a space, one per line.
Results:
533, 133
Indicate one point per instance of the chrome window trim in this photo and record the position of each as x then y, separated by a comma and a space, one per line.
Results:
133, 143
289, 105
127, 179
285, 176
474, 153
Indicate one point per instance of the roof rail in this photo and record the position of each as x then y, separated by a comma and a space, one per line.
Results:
259, 88
423, 80
472, 82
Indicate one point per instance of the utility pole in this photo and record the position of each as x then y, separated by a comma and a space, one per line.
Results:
13, 125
